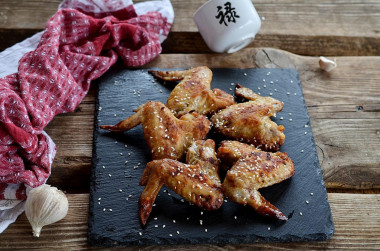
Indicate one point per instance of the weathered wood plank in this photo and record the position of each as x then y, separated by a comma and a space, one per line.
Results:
344, 107
356, 219
328, 27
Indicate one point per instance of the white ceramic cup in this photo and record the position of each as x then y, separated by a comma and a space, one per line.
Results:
227, 25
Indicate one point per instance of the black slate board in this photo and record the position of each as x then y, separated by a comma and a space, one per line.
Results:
113, 217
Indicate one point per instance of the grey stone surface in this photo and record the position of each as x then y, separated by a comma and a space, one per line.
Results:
119, 159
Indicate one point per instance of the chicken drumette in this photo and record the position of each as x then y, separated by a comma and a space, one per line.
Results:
250, 121
193, 92
253, 169
166, 136
197, 181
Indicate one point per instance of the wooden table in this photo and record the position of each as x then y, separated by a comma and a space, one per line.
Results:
344, 107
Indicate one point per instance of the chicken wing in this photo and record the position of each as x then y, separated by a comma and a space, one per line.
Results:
250, 121
193, 92
166, 136
254, 170
197, 181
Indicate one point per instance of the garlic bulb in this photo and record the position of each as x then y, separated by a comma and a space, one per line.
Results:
45, 205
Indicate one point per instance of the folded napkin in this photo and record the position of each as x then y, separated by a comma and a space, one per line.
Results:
80, 43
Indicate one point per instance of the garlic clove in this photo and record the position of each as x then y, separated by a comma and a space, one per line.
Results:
45, 205
327, 64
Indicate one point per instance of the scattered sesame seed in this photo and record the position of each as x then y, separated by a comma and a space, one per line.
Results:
311, 194
120, 190
121, 154
295, 94
170, 235
104, 209
268, 73
163, 226
290, 114
155, 218
232, 83
301, 213
263, 18
288, 93
245, 74
235, 217
201, 222
110, 210
187, 218
270, 94
155, 225
306, 126
225, 201
130, 195
291, 81
140, 233
99, 198
263, 79
281, 118
206, 230
100, 108
177, 232
125, 146
305, 133
160, 90
110, 175
290, 119
265, 86
114, 115
104, 167
201, 212
307, 202
268, 228
173, 221
301, 151
129, 154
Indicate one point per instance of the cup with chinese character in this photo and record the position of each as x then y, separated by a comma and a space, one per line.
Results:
226, 25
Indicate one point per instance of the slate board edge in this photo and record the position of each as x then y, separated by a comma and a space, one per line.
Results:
95, 239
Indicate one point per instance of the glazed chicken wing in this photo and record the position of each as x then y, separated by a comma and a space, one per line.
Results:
250, 121
166, 136
197, 181
254, 169
193, 92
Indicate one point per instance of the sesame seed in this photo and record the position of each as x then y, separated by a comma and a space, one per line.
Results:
100, 108
110, 210
177, 232
201, 222
170, 235
305, 133
307, 202
265, 86
155, 225
245, 74
140, 233
270, 94
288, 93
201, 212
155, 218
306, 126
109, 175
104, 167
301, 151
281, 118
121, 154
290, 114
120, 190
173, 221
104, 209
115, 115
99, 198
232, 83
291, 81
290, 119
301, 213
311, 194
295, 94
235, 217
206, 230
268, 228
163, 226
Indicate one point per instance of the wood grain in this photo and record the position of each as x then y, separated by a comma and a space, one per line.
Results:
339, 28
356, 219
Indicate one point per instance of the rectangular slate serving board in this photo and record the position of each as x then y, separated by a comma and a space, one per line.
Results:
119, 160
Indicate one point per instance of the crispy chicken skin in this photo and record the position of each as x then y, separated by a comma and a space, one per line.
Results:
166, 135
254, 169
250, 121
197, 181
193, 93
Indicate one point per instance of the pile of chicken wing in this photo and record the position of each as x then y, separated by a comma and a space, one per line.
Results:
249, 158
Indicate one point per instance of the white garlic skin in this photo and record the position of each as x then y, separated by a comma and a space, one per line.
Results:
45, 205
326, 64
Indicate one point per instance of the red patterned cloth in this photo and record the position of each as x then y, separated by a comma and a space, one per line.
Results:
77, 47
